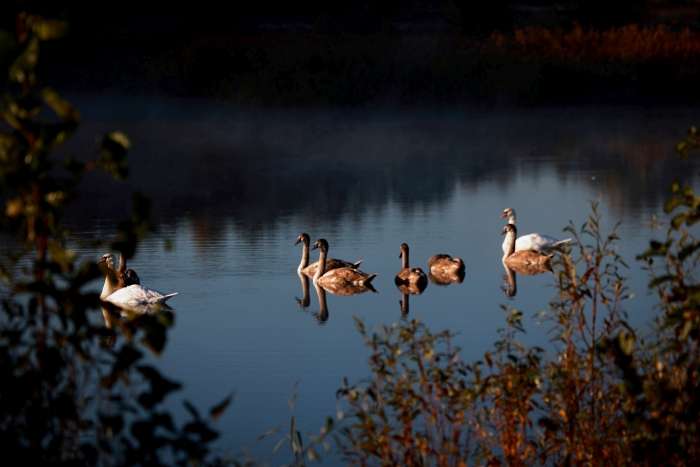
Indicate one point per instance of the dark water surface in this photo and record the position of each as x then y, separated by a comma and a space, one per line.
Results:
232, 190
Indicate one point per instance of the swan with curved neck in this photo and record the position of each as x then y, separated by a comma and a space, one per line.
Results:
533, 241
123, 287
310, 269
445, 264
522, 256
408, 275
336, 276
119, 278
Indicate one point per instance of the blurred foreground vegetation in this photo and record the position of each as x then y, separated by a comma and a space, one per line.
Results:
76, 391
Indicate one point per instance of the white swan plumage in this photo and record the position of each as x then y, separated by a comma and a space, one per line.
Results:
122, 286
533, 241
138, 295
116, 278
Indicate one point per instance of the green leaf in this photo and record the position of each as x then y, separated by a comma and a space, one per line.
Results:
687, 328
48, 29
672, 204
626, 342
61, 106
682, 148
678, 220
114, 148
26, 62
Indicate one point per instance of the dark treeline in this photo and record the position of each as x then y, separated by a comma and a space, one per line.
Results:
363, 53
363, 16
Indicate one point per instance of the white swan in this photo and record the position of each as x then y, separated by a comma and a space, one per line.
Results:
116, 278
531, 241
523, 256
135, 296
337, 276
310, 269
122, 286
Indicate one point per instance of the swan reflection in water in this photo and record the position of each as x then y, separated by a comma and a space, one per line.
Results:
446, 278
406, 290
305, 300
126, 319
512, 269
336, 289
322, 315
347, 289
404, 305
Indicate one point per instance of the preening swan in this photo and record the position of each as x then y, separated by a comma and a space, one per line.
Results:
338, 276
310, 269
119, 291
531, 241
119, 278
445, 264
523, 256
408, 275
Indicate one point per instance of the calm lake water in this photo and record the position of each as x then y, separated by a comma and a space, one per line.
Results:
232, 190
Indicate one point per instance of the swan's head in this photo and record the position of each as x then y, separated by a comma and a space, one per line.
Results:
509, 228
509, 213
404, 250
322, 244
303, 238
109, 259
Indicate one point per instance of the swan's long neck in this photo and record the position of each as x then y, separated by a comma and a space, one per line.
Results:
511, 218
510, 244
404, 258
321, 270
304, 257
109, 287
110, 279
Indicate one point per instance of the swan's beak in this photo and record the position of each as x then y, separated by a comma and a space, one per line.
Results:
315, 246
503, 215
103, 260
297, 242
504, 231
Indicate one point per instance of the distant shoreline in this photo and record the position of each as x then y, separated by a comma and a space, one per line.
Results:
533, 65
